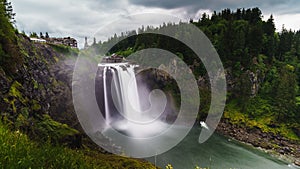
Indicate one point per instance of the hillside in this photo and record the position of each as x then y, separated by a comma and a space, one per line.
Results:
262, 72
36, 106
39, 127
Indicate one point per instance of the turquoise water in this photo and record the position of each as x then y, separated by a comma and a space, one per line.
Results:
217, 153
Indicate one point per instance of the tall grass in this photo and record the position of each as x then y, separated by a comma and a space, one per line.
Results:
18, 151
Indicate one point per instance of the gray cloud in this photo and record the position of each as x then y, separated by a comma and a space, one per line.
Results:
84, 17
288, 6
64, 18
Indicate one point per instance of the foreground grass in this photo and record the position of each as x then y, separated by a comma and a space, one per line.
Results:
18, 151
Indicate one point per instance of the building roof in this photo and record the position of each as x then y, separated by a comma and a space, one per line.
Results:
37, 40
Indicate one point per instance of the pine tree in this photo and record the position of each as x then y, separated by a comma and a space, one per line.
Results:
8, 10
269, 46
10, 56
46, 35
41, 35
285, 89
33, 35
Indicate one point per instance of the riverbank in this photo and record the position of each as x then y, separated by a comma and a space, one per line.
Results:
275, 145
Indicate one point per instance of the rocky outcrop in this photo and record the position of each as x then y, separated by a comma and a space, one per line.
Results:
40, 88
257, 138
253, 76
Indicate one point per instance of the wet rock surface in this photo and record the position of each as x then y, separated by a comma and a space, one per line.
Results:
257, 138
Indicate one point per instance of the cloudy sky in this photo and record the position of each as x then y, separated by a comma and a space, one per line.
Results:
80, 18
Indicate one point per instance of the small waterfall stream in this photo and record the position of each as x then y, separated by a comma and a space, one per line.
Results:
105, 96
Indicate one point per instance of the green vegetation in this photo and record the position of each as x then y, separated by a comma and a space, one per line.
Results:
10, 56
66, 50
34, 134
262, 66
266, 122
48, 128
18, 151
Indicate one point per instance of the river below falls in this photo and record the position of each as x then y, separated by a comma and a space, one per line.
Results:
218, 152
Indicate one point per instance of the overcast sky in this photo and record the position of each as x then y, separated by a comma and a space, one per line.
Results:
80, 18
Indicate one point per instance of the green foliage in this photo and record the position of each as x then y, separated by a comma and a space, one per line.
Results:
285, 93
258, 107
47, 128
243, 88
15, 91
10, 56
248, 47
18, 151
260, 117
22, 121
15, 95
66, 50
33, 35
125, 53
35, 84
35, 105
8, 10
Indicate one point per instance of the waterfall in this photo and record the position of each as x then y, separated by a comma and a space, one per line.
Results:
106, 96
124, 92
129, 93
122, 102
116, 91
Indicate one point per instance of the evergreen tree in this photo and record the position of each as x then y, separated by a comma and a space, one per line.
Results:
94, 42
255, 40
33, 35
41, 35
285, 43
285, 89
10, 55
269, 46
8, 10
47, 35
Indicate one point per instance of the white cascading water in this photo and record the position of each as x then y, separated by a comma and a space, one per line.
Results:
124, 91
129, 93
105, 96
125, 97
117, 90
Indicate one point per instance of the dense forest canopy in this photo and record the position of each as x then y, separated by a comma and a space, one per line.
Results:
262, 65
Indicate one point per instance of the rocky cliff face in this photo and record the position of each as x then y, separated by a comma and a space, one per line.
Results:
37, 98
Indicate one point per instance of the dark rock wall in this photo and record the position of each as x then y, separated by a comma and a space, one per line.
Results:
41, 86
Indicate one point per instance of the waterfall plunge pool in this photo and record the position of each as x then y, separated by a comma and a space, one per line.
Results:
218, 152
